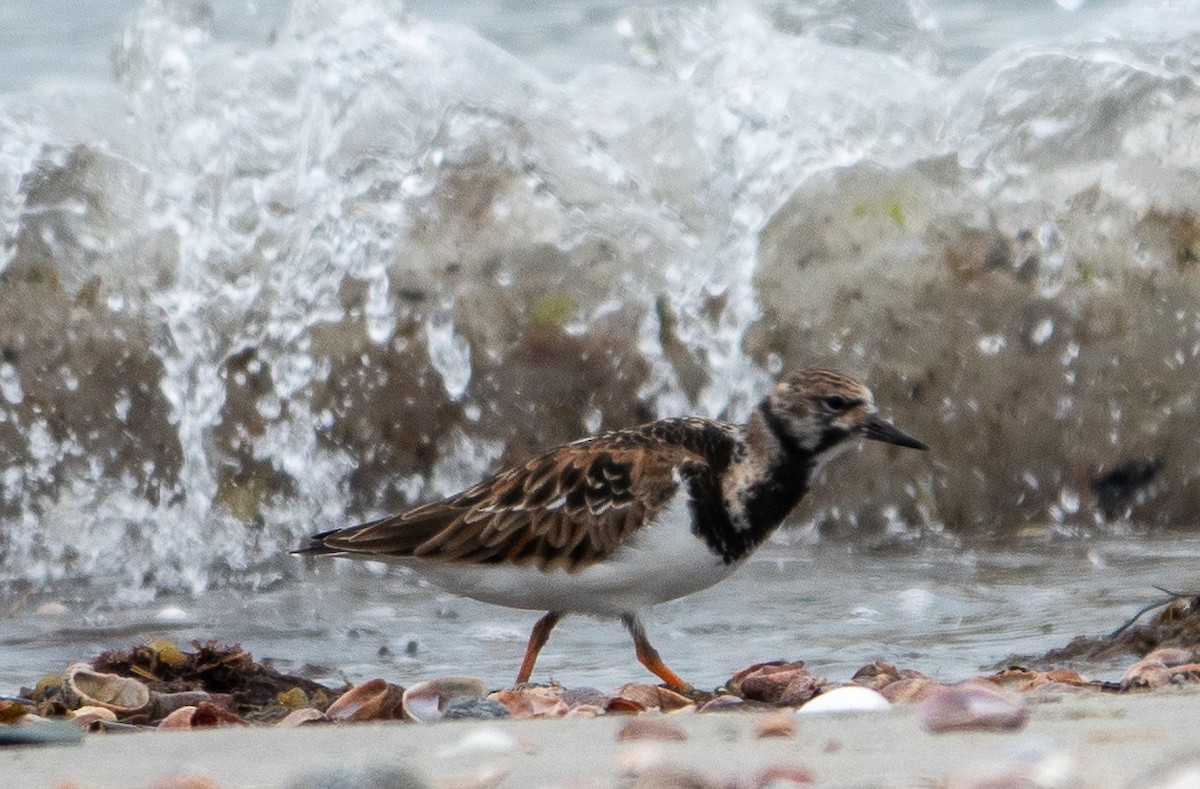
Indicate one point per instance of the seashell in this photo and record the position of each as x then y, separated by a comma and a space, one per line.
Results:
779, 724
374, 699
652, 696
908, 689
574, 697
1146, 674
532, 702
96, 713
648, 728
762, 670
208, 714
1170, 656
300, 717
179, 719
585, 711
620, 706
876, 675
52, 608
973, 707
426, 701
777, 683
84, 686
12, 711
848, 698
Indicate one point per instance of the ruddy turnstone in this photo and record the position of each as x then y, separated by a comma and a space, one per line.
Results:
612, 524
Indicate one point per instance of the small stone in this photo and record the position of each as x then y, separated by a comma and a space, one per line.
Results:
723, 703
474, 707
779, 776
185, 782
52, 608
645, 728
777, 725
373, 777
482, 741
908, 689
674, 777
848, 698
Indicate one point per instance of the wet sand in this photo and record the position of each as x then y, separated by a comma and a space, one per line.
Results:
1084, 739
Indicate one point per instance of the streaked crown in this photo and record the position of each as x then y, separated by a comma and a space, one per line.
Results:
820, 409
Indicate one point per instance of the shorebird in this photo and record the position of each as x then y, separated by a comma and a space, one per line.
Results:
615, 523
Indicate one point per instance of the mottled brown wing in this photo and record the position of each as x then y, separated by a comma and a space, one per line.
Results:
568, 508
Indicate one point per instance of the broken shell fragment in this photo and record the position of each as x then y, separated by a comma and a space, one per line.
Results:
90, 717
652, 696
84, 686
179, 719
300, 717
426, 701
532, 702
374, 699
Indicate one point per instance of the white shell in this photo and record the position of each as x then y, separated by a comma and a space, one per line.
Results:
850, 698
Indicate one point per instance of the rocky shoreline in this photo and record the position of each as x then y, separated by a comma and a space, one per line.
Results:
162, 686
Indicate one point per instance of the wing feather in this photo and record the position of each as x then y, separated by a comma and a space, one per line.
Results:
568, 508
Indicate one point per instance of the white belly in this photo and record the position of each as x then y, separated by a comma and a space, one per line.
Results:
660, 562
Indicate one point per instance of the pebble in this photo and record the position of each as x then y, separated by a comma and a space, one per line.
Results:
849, 698
372, 777
475, 708
780, 724
647, 728
973, 707
481, 741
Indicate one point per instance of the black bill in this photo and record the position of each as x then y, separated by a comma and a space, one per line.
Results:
878, 430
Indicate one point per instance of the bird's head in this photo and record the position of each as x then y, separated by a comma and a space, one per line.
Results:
820, 409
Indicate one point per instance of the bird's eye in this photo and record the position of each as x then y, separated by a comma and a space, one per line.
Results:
837, 402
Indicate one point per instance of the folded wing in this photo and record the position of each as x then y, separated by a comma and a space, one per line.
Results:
566, 509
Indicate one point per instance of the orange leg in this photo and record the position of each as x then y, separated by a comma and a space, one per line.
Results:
537, 640
648, 655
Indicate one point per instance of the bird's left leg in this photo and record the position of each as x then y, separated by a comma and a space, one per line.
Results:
648, 655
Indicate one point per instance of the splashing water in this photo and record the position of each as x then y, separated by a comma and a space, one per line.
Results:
253, 291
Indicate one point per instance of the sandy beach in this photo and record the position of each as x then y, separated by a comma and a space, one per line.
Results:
1084, 739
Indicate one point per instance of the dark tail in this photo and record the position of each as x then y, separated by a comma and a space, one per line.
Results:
316, 545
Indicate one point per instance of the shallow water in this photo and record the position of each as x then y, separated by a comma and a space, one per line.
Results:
945, 611
286, 265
